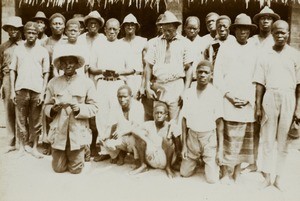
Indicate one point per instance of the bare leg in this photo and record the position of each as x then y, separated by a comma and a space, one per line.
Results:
178, 148
267, 181
169, 151
278, 183
21, 151
34, 152
237, 172
227, 178
141, 149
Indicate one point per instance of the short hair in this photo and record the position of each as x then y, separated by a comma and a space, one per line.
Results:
210, 15
55, 15
223, 17
278, 22
205, 63
161, 104
31, 25
112, 20
73, 21
190, 18
125, 87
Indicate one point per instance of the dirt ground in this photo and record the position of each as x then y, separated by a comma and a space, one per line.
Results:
30, 179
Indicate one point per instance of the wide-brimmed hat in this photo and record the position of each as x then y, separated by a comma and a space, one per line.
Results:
40, 16
130, 18
94, 15
266, 11
14, 21
243, 20
168, 18
65, 51
79, 17
159, 18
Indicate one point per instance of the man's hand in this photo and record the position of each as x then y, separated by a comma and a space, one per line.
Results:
151, 94
140, 93
180, 100
184, 152
13, 97
236, 102
117, 134
41, 99
75, 107
258, 113
57, 107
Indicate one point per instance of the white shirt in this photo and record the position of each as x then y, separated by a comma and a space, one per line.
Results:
201, 112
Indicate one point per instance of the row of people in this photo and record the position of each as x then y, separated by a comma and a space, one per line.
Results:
164, 70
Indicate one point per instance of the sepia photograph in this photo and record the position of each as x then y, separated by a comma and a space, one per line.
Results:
150, 100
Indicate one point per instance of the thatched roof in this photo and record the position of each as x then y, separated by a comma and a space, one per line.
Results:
137, 3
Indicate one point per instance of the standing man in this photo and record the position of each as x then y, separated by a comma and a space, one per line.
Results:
29, 71
138, 46
41, 19
277, 79
70, 102
264, 42
223, 23
233, 74
202, 125
92, 40
169, 61
13, 28
264, 19
110, 67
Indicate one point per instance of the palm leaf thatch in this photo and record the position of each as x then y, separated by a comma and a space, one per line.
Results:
137, 3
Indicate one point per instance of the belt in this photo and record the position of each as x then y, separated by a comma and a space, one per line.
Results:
109, 78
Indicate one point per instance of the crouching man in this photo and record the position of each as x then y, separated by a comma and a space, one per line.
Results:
202, 123
70, 102
155, 142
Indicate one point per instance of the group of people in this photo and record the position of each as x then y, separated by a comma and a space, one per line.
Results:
173, 102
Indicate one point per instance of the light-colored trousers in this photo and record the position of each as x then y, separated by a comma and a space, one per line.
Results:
279, 107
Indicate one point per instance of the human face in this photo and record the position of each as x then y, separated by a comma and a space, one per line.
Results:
192, 29
242, 34
265, 23
41, 25
93, 26
130, 28
160, 114
72, 32
31, 35
169, 31
280, 34
112, 30
57, 26
124, 98
159, 29
68, 64
203, 75
223, 29
211, 23
13, 32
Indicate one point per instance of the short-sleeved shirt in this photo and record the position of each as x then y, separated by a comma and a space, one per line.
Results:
279, 70
180, 55
30, 65
137, 45
201, 112
6, 54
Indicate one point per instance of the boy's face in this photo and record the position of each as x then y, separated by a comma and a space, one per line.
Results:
124, 98
72, 32
31, 35
203, 75
160, 114
68, 64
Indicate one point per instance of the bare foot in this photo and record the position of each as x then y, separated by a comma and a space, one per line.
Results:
265, 184
249, 168
36, 154
142, 168
226, 180
120, 161
47, 151
278, 185
28, 148
170, 173
113, 160
9, 149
